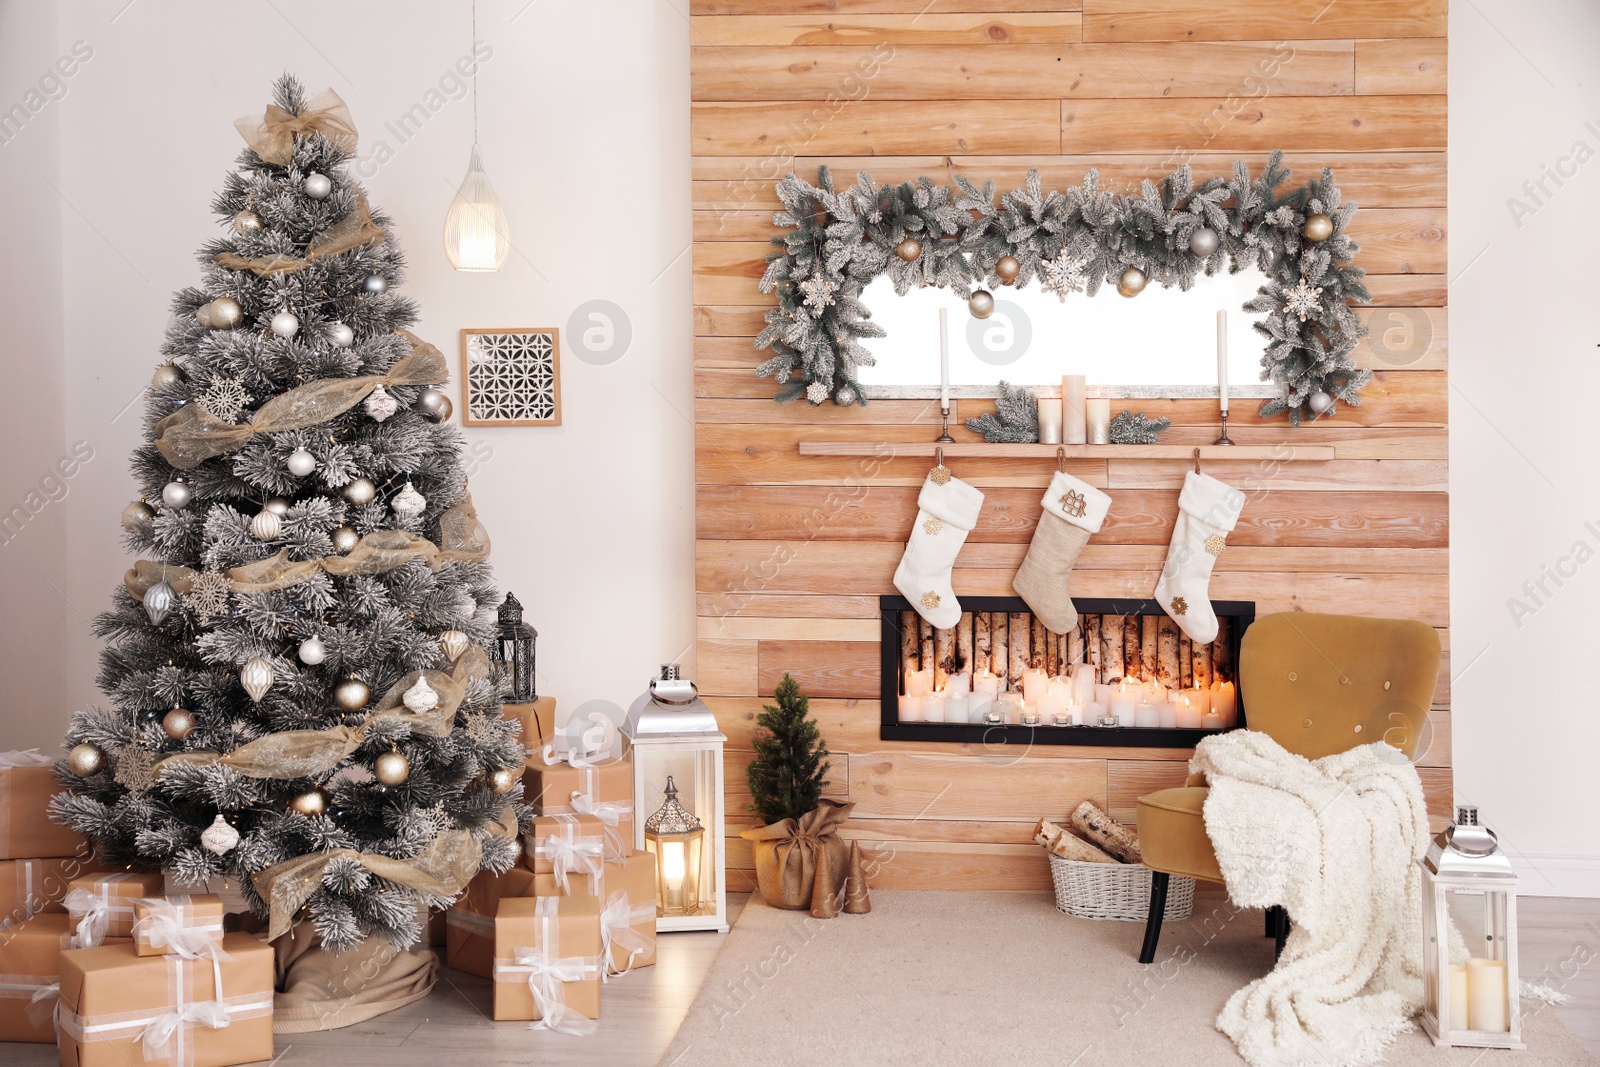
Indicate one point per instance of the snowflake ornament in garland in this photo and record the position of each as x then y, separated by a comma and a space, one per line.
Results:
817, 392
1064, 275
225, 399
819, 295
208, 594
1303, 300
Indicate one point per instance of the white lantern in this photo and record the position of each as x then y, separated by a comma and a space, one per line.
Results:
673, 737
1465, 877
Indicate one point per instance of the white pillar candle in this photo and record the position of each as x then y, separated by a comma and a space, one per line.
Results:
1122, 710
1169, 714
1487, 1008
1052, 703
944, 359
919, 683
1128, 689
1200, 698
959, 684
1188, 713
912, 708
985, 688
958, 708
1083, 684
1222, 358
1210, 720
1097, 416
1035, 683
1458, 998
1225, 700
934, 708
1147, 716
1157, 693
1010, 708
1074, 428
1102, 693
1093, 714
1049, 420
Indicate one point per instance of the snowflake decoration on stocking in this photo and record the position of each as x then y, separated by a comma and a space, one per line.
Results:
1064, 275
817, 392
136, 769
225, 399
208, 594
1303, 300
819, 295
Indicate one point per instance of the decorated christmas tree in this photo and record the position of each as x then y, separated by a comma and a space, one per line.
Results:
300, 696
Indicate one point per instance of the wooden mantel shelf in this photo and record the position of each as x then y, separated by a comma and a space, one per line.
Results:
1281, 453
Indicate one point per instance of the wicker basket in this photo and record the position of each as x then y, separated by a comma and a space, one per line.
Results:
1115, 891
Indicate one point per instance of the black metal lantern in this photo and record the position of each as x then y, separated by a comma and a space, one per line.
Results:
513, 650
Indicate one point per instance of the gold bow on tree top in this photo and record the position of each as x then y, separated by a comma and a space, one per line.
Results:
272, 135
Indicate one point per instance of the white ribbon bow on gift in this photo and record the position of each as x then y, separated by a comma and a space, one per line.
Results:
27, 757
93, 913
208, 1013
43, 1005
617, 922
165, 928
610, 813
545, 978
567, 856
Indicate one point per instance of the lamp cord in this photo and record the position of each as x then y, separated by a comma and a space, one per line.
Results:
473, 51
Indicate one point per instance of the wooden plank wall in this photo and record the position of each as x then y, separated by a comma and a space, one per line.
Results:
793, 551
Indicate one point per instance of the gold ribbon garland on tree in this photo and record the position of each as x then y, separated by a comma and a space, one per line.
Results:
272, 135
356, 230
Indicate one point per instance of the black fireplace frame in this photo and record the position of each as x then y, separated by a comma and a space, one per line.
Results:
1242, 612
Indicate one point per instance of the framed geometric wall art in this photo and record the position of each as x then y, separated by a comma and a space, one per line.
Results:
511, 377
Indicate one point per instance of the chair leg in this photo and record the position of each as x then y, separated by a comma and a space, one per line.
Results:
1271, 917
1282, 934
1152, 924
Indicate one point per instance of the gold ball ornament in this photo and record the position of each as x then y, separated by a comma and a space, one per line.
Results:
226, 313
345, 539
352, 694
1008, 267
178, 723
311, 803
1131, 282
137, 516
981, 304
202, 315
909, 249
503, 780
1318, 227
167, 374
360, 492
85, 760
247, 222
391, 768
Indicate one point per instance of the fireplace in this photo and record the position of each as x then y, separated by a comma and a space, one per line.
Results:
999, 639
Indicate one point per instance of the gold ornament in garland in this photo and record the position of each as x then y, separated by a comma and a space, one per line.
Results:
909, 249
1131, 282
981, 304
1318, 228
1006, 268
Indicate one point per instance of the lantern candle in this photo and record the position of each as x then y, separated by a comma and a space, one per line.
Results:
1486, 996
1458, 998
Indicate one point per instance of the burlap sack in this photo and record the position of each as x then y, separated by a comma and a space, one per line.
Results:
789, 855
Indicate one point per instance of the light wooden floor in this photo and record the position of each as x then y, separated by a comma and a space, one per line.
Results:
643, 1010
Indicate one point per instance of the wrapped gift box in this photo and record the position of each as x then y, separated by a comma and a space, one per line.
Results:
162, 924
547, 961
564, 845
628, 912
469, 924
603, 789
27, 782
536, 718
578, 885
111, 997
107, 900
30, 955
37, 887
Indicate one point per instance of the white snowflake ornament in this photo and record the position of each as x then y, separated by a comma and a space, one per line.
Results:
1064, 275
1303, 300
408, 503
225, 399
819, 294
817, 392
208, 594
380, 405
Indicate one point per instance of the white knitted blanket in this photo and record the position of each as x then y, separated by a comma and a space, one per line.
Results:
1335, 842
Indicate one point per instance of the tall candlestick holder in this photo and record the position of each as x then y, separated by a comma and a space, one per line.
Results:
1224, 439
944, 437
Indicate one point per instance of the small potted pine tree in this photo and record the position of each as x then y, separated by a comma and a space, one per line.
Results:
799, 846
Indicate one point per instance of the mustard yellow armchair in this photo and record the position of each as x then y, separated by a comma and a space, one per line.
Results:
1317, 685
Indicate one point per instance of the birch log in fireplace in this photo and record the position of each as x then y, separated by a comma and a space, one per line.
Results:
999, 640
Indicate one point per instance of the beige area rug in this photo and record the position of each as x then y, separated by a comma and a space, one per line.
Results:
1002, 978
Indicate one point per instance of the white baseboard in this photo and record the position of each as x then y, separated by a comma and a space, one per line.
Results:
1551, 874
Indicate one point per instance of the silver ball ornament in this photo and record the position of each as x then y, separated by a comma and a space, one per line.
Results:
300, 463
277, 505
317, 186
374, 284
352, 694
313, 651
345, 540
844, 396
1319, 402
285, 324
159, 600
226, 313
266, 526
360, 492
433, 405
981, 304
1131, 282
85, 760
137, 516
175, 494
391, 768
166, 375
1204, 241
247, 222
340, 335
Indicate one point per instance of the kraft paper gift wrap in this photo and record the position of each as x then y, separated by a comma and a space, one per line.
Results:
30, 978
27, 782
101, 905
628, 913
535, 718
469, 924
570, 784
547, 964
177, 923
120, 1009
564, 845
37, 887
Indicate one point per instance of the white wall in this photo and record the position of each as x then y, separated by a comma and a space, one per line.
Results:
584, 128
1523, 376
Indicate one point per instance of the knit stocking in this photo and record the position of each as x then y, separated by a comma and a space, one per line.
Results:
1207, 511
1073, 509
947, 509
